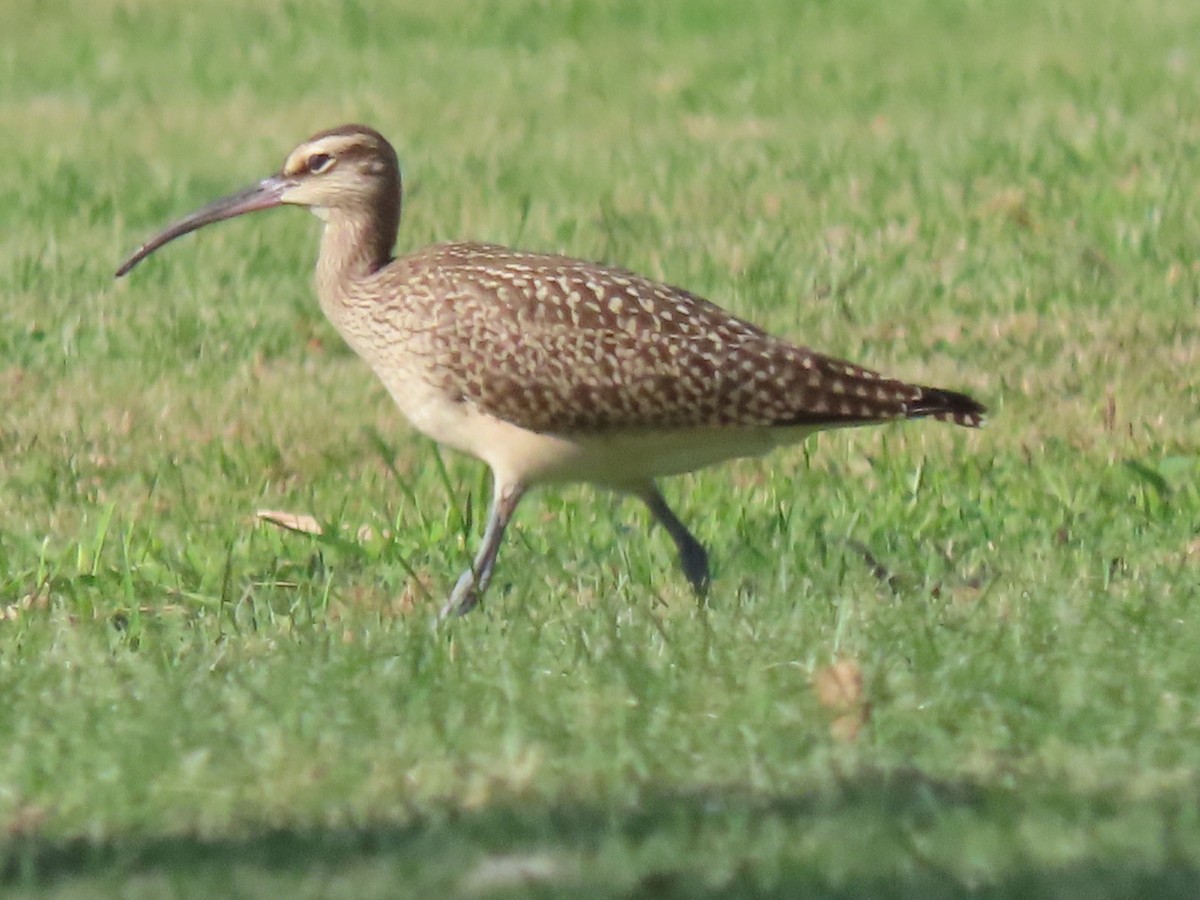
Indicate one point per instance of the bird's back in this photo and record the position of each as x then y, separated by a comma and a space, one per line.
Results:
554, 344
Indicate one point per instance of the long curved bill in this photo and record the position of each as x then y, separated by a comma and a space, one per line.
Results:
267, 193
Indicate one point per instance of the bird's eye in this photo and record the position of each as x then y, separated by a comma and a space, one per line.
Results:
320, 162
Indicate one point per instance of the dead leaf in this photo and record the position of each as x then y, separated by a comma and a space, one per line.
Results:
839, 686
300, 522
839, 689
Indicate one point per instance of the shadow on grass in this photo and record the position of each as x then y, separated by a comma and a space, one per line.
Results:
894, 835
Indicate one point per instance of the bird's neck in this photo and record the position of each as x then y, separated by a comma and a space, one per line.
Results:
354, 246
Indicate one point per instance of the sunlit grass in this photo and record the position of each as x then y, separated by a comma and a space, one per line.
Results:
999, 200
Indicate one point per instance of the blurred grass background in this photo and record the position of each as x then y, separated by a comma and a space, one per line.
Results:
1000, 199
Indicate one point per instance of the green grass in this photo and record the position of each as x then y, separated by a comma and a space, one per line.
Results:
999, 198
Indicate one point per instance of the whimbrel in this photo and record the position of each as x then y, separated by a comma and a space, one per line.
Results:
551, 369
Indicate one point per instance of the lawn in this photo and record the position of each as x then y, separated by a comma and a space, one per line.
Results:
934, 661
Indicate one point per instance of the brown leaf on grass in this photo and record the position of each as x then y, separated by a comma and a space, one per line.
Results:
839, 688
303, 523
300, 522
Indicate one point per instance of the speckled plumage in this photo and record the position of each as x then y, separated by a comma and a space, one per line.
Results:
551, 368
553, 344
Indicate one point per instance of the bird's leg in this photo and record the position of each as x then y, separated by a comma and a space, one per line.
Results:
473, 582
692, 556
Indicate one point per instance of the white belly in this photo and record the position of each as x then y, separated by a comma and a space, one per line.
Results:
614, 459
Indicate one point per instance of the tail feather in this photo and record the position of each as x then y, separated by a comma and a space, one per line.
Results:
947, 406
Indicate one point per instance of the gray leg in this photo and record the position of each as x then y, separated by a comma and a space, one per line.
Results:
473, 582
692, 557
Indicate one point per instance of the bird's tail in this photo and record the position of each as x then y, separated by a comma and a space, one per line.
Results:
947, 406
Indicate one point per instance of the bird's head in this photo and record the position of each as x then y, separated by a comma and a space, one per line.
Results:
348, 168
351, 169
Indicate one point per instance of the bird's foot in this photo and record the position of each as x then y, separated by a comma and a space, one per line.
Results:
694, 562
464, 597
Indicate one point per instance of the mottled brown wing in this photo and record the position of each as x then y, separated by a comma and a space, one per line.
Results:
558, 345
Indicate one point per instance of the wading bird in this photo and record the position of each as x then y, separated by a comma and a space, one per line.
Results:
551, 369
